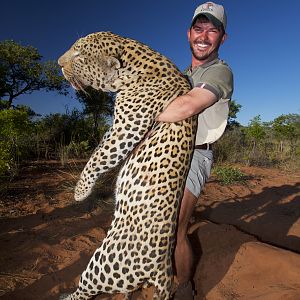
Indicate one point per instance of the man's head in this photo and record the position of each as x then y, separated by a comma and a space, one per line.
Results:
207, 32
215, 13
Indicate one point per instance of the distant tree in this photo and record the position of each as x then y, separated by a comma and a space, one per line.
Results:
22, 72
31, 113
234, 109
99, 106
287, 127
61, 131
63, 128
255, 130
255, 133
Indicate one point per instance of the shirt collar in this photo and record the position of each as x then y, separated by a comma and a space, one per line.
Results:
205, 65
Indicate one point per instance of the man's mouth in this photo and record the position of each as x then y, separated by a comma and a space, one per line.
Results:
201, 45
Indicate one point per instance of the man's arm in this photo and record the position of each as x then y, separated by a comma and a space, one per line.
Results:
187, 105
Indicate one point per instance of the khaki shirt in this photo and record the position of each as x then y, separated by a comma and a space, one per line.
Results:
217, 77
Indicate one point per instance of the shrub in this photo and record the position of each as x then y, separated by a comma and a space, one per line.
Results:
15, 128
229, 175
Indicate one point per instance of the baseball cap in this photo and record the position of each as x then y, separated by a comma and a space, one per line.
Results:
214, 12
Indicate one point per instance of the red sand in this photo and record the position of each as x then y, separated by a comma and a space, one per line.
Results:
246, 237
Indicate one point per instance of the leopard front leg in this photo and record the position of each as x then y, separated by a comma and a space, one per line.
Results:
162, 281
82, 293
73, 296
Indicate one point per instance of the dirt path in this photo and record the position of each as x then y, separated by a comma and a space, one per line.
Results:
246, 237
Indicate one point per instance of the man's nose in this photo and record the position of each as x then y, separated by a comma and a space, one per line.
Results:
203, 35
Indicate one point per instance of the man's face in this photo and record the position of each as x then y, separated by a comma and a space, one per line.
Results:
205, 40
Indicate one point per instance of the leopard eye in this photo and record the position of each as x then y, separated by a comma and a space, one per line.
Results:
81, 59
76, 53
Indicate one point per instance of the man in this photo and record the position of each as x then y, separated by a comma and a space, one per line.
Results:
212, 82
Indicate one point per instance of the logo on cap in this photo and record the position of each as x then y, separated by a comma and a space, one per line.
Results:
207, 6
213, 11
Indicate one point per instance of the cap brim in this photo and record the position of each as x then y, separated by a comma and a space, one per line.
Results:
211, 18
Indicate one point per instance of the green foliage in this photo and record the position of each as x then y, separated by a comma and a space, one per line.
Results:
15, 127
3, 104
234, 109
256, 133
63, 127
287, 127
230, 147
22, 72
98, 106
274, 144
65, 136
55, 132
286, 130
255, 130
229, 175
13, 123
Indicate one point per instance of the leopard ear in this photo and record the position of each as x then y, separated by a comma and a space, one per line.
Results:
113, 62
109, 62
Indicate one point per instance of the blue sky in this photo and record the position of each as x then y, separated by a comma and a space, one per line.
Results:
262, 48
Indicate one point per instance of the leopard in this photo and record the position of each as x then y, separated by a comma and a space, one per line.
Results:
154, 157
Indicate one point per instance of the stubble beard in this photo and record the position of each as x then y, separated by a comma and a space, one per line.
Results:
204, 55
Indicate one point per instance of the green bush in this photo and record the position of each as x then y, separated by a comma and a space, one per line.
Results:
65, 136
15, 129
229, 175
230, 147
272, 144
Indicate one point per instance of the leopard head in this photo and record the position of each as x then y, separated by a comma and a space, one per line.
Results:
93, 61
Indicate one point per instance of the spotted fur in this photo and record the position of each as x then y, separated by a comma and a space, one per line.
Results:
138, 248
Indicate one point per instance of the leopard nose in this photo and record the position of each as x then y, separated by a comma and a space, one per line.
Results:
62, 60
67, 57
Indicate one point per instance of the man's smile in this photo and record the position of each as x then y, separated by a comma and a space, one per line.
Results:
202, 45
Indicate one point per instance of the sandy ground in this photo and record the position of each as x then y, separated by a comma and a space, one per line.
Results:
246, 237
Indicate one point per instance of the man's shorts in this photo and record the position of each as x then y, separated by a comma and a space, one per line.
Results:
199, 171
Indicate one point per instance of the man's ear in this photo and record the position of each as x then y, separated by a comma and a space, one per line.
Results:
189, 34
224, 38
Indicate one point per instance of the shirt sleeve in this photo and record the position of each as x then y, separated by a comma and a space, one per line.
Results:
218, 79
